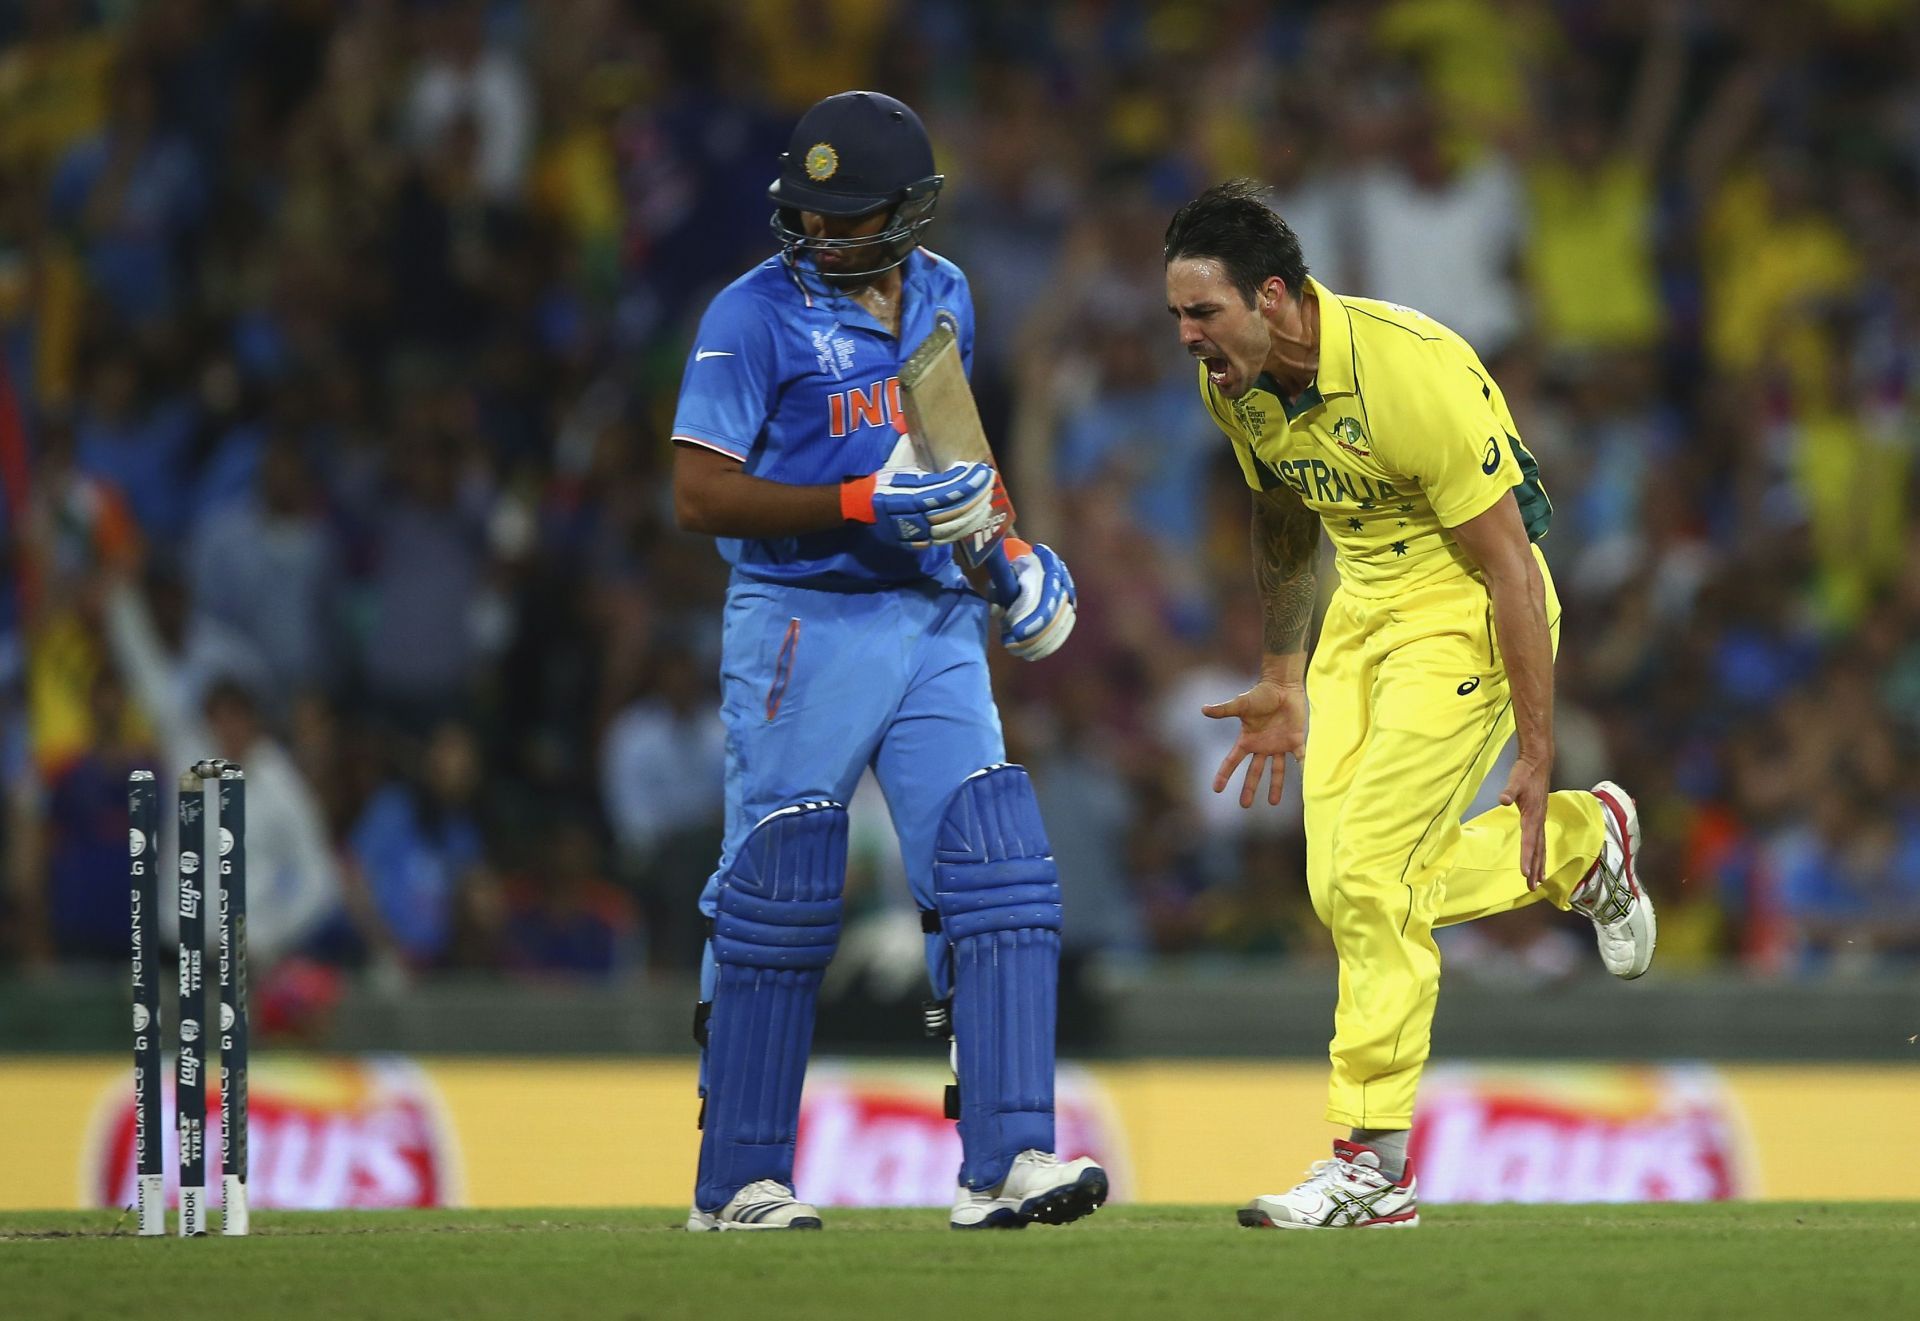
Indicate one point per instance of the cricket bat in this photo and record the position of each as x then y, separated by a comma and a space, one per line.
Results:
944, 425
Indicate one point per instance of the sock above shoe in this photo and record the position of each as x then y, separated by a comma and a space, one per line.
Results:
1388, 1146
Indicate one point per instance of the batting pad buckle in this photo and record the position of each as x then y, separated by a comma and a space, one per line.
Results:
936, 1018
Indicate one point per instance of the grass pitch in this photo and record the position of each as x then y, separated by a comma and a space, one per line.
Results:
1740, 1262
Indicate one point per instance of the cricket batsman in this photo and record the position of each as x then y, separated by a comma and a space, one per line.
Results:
852, 639
1382, 426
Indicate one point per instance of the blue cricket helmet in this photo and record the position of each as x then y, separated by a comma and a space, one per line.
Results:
851, 155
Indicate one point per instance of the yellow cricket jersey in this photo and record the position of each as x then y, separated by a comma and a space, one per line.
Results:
1402, 435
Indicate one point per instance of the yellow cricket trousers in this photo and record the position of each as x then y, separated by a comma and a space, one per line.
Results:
1408, 709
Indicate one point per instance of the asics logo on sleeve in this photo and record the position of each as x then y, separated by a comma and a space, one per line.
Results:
1468, 686
1492, 461
704, 354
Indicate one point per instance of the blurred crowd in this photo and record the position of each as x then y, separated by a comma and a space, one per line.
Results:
340, 343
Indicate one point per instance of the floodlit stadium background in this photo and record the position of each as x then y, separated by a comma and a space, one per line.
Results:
339, 347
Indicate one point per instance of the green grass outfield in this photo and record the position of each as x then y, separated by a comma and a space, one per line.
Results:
1741, 1262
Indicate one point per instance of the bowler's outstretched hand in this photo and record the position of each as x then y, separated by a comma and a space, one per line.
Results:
1273, 727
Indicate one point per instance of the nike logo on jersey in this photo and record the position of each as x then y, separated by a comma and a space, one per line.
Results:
704, 354
1468, 686
1492, 461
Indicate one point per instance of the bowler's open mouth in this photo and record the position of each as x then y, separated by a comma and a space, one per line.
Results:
1216, 369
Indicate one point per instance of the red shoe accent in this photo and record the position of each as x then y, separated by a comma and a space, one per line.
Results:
1411, 1213
1346, 1151
1619, 815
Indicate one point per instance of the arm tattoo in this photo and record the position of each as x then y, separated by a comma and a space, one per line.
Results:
1286, 536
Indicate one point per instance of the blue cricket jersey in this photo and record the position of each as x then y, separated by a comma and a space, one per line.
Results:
803, 388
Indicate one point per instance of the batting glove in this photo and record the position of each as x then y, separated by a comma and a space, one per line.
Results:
919, 509
1041, 614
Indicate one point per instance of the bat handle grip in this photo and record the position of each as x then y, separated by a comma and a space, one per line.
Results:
1006, 584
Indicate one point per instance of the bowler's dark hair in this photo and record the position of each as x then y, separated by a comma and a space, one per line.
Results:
1232, 224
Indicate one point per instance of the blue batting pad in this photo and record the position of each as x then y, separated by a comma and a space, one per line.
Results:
998, 896
775, 925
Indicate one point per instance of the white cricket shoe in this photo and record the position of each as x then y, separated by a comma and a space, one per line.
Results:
762, 1205
1611, 896
1039, 1186
1347, 1192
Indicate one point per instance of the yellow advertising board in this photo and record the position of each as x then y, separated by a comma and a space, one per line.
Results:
390, 1131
